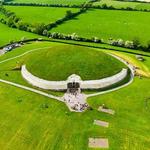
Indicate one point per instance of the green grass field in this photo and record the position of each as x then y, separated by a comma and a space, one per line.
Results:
39, 14
123, 4
87, 62
107, 24
25, 124
55, 128
50, 1
9, 34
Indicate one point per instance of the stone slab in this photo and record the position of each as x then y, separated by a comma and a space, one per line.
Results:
101, 123
98, 143
108, 111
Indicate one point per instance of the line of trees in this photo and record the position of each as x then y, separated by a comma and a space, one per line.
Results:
85, 4
89, 5
43, 5
73, 36
137, 1
134, 44
105, 6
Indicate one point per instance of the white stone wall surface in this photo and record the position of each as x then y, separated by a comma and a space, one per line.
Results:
62, 85
41, 83
105, 82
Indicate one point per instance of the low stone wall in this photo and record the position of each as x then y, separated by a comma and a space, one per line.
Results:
62, 85
106, 82
41, 83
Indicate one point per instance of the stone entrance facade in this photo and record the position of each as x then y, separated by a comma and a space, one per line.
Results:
75, 100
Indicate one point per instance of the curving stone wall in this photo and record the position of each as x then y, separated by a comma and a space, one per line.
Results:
41, 83
62, 85
106, 82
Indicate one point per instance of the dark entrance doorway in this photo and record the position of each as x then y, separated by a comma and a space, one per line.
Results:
73, 87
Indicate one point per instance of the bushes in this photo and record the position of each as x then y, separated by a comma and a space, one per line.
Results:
42, 5
121, 43
73, 37
134, 44
105, 6
85, 5
11, 19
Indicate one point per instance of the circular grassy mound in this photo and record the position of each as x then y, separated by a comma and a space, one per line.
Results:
59, 62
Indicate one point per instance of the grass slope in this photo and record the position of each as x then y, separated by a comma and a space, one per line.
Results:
129, 128
109, 24
33, 15
9, 34
59, 62
25, 124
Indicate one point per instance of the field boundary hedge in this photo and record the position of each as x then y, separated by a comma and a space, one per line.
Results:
103, 6
77, 44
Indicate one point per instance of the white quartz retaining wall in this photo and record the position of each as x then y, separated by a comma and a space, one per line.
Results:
41, 83
62, 85
106, 82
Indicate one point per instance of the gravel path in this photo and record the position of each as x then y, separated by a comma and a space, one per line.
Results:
32, 50
32, 90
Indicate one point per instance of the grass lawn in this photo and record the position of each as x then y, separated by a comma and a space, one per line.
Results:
33, 15
59, 62
123, 4
10, 34
86, 62
144, 67
107, 24
50, 1
26, 124
129, 128
48, 62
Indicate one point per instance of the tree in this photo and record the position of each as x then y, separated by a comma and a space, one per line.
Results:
129, 44
69, 14
136, 43
45, 32
22, 26
39, 28
10, 22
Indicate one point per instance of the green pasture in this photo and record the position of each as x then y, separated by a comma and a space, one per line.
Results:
123, 4
26, 124
34, 15
48, 62
106, 24
9, 34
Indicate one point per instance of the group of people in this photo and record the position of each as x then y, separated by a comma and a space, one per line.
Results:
76, 101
